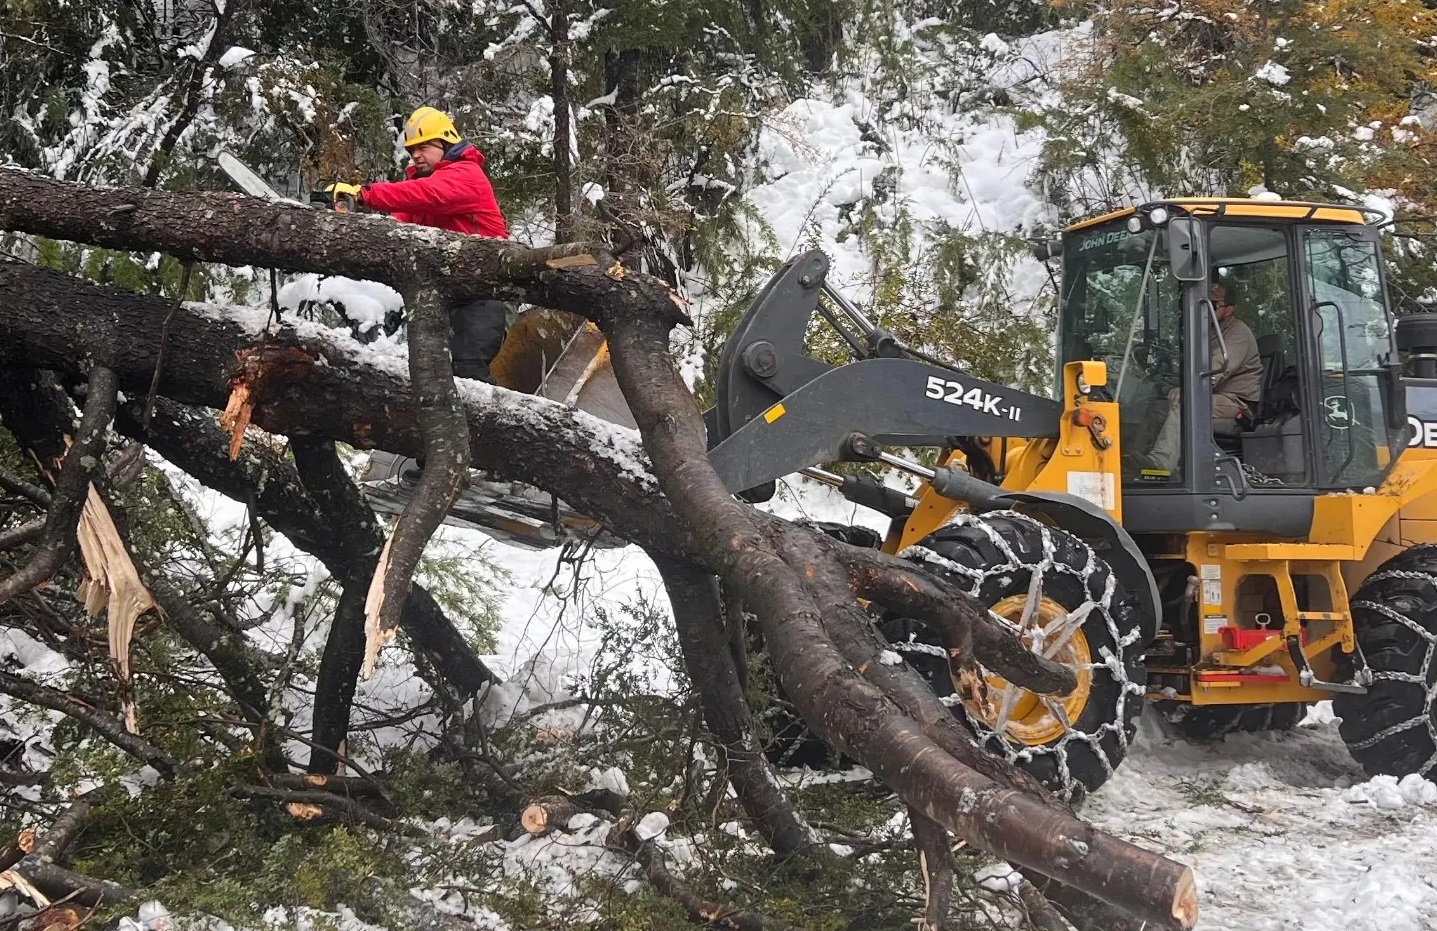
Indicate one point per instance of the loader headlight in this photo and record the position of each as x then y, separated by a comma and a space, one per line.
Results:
1158, 216
1135, 224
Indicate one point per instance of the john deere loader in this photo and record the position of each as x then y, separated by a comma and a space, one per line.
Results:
1259, 565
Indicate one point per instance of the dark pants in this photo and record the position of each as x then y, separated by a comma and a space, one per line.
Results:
477, 329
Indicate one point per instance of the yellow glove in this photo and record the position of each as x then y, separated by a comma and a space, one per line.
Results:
339, 195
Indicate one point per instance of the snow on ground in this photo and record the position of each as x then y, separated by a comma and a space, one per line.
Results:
1284, 831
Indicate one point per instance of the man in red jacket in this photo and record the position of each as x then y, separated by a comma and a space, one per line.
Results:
446, 187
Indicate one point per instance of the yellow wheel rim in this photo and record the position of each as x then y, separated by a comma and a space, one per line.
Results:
1033, 720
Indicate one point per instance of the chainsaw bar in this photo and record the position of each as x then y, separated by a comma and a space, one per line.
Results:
252, 184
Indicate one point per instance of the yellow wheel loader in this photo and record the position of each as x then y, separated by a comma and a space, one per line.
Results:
1229, 570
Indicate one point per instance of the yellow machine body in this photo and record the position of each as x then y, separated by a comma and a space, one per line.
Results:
1240, 581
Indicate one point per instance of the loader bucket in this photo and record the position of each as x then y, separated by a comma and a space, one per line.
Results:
562, 357
556, 355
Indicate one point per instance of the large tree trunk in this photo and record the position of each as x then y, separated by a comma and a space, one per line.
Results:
565, 220
802, 586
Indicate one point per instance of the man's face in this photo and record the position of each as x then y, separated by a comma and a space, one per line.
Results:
1222, 303
426, 156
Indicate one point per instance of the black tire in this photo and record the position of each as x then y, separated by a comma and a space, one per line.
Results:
1201, 723
993, 557
1392, 729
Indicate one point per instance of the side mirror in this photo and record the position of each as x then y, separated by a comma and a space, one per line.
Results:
1045, 249
1187, 249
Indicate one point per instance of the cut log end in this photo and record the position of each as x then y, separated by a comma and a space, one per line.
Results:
1185, 901
547, 814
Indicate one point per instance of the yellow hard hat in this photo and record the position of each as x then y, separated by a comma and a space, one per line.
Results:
427, 124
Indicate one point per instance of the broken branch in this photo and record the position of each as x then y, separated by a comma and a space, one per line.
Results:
104, 723
327, 800
446, 442
713, 914
79, 463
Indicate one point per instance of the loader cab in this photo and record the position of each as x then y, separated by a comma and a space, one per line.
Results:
1236, 417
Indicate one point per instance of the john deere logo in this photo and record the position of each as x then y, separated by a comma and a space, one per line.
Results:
1098, 240
1339, 415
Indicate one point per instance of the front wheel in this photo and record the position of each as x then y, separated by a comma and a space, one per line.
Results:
1064, 602
1393, 728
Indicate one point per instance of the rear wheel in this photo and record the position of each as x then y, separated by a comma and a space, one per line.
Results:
1393, 728
1213, 722
1062, 600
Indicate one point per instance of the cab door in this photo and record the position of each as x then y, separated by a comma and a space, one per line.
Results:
1356, 414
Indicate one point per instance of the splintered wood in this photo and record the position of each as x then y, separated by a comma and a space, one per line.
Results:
236, 416
376, 638
112, 583
253, 365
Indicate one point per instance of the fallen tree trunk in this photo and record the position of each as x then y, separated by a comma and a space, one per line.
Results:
802, 592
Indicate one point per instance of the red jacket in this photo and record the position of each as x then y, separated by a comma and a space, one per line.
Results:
456, 196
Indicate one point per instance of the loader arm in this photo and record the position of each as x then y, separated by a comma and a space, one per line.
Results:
780, 411
840, 416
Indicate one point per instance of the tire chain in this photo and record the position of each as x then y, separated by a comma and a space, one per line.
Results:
1425, 718
1070, 787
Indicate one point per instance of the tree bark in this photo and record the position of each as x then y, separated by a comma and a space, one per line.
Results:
935, 864
56, 882
243, 231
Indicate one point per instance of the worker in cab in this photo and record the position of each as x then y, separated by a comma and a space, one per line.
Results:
1236, 382
445, 187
